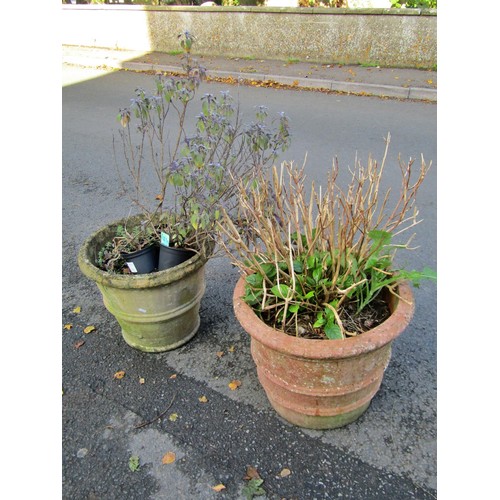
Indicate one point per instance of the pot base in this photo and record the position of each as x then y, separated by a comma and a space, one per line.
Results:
318, 422
158, 320
159, 344
320, 404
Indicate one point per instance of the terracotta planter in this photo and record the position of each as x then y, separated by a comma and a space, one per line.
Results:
322, 384
157, 311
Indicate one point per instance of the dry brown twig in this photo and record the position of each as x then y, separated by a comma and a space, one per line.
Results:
278, 223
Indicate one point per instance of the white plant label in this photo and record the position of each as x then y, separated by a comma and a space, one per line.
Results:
132, 267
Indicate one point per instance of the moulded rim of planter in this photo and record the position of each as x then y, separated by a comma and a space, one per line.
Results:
401, 314
88, 253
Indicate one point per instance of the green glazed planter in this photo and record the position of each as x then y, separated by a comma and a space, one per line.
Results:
157, 311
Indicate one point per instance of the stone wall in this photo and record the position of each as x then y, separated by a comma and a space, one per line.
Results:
386, 37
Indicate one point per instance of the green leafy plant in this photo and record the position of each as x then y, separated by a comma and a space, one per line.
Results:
126, 240
253, 488
415, 4
180, 179
318, 266
134, 463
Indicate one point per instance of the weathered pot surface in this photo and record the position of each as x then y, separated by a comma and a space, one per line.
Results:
157, 311
322, 384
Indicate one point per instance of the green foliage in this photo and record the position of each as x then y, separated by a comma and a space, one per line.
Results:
313, 264
253, 488
126, 240
308, 288
133, 463
414, 4
197, 171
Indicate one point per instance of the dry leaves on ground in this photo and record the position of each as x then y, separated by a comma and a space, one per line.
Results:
252, 473
285, 472
219, 487
234, 384
168, 458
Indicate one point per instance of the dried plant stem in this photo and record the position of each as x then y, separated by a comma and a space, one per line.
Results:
328, 249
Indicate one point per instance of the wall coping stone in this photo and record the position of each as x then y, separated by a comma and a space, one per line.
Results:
257, 10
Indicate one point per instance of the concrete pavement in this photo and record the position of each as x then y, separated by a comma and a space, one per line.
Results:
401, 83
155, 409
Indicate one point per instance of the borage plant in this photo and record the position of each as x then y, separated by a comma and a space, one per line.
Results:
195, 172
318, 265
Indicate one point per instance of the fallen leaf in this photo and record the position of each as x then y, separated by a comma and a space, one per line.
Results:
219, 487
220, 354
252, 473
68, 326
133, 463
159, 197
168, 458
285, 472
430, 81
231, 349
77, 310
89, 329
203, 399
233, 385
173, 417
119, 375
173, 376
79, 344
141, 380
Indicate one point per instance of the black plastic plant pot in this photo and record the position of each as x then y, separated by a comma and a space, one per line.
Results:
143, 261
171, 256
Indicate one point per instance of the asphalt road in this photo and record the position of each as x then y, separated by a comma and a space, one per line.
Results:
389, 453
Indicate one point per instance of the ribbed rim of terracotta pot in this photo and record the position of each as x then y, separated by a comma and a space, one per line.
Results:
87, 256
402, 312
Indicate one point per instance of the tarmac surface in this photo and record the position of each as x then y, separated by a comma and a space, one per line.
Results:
402, 83
179, 402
